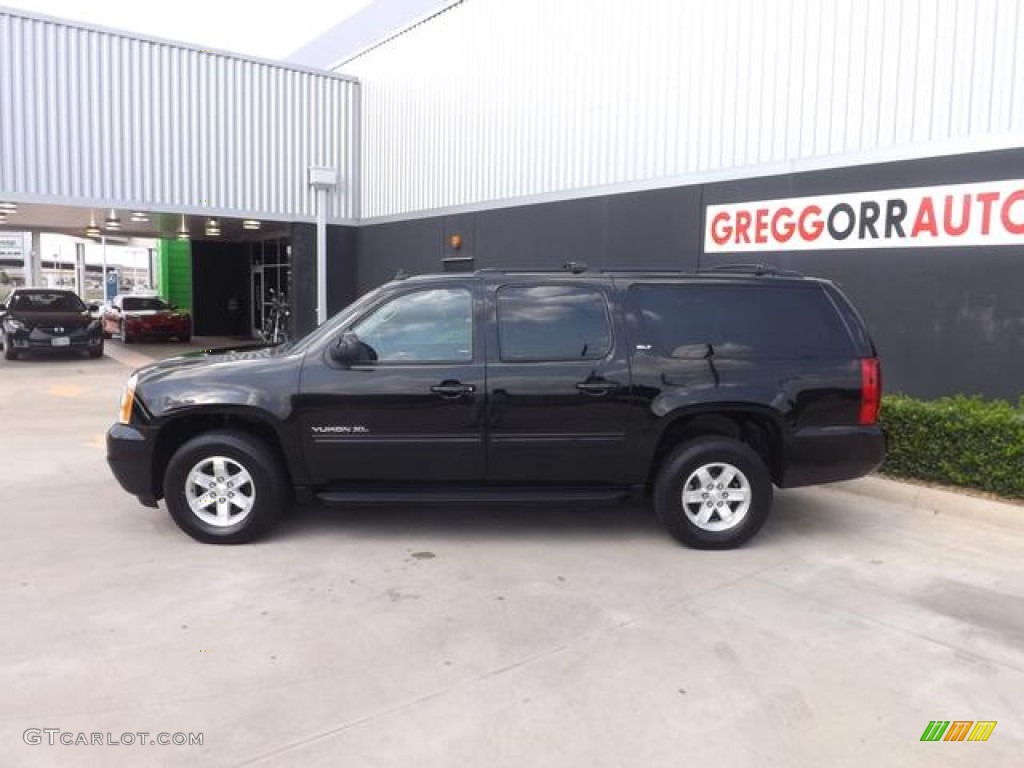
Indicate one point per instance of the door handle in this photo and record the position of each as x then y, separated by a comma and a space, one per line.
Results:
596, 387
452, 390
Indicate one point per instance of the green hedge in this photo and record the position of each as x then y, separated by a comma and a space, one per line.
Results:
964, 441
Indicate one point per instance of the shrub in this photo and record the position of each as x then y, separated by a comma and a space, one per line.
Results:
963, 441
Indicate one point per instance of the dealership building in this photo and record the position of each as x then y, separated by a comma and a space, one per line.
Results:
878, 144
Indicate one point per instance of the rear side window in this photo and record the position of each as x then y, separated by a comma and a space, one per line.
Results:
552, 322
737, 321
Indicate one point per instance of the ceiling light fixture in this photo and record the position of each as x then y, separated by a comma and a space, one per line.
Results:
112, 222
212, 228
183, 229
140, 217
9, 207
250, 224
92, 230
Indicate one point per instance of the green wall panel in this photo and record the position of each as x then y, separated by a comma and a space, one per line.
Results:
174, 272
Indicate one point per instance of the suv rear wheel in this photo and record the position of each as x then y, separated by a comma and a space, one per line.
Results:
224, 487
713, 493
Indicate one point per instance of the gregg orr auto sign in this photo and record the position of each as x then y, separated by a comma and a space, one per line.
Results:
985, 213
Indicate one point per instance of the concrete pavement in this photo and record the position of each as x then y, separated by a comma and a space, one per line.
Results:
530, 637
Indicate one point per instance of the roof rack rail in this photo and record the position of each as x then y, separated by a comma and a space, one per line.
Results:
753, 269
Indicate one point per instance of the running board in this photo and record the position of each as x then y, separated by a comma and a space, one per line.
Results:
475, 496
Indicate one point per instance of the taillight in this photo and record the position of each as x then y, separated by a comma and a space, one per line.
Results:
870, 390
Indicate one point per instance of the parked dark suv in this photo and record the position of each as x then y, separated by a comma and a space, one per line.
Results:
581, 385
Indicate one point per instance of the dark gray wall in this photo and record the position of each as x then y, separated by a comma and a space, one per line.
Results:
946, 320
341, 273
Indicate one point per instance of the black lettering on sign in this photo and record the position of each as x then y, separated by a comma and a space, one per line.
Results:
869, 213
895, 213
851, 221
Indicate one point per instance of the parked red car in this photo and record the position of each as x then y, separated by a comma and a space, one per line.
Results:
135, 317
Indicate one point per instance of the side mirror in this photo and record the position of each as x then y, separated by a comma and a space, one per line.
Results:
93, 307
349, 349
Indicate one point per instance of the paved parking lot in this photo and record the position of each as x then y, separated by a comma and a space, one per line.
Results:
538, 637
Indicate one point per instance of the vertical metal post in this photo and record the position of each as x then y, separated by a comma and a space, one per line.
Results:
103, 243
321, 254
321, 179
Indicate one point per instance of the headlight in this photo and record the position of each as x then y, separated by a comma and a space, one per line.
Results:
127, 400
16, 325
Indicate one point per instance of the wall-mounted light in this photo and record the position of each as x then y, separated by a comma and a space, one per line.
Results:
212, 228
112, 222
183, 229
455, 241
250, 224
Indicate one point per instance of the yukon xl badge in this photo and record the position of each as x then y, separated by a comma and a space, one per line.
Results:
340, 430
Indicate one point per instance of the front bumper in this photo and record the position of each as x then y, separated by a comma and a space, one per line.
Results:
130, 450
48, 340
831, 454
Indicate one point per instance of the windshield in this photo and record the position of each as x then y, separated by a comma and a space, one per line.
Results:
138, 304
46, 301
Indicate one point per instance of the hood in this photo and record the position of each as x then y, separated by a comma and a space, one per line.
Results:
68, 320
262, 377
215, 358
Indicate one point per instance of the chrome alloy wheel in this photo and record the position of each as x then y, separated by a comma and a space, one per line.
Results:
220, 491
716, 497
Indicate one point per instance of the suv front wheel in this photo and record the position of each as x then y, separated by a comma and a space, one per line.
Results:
713, 493
224, 488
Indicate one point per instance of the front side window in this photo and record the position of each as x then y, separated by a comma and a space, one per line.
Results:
431, 326
552, 322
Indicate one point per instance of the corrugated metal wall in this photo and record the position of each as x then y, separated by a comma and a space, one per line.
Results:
93, 117
500, 99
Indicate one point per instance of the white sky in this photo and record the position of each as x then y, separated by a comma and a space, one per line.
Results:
271, 29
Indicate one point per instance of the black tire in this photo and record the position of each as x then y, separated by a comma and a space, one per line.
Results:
266, 486
10, 353
717, 456
96, 352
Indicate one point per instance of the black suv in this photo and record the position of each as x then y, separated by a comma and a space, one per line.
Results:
497, 386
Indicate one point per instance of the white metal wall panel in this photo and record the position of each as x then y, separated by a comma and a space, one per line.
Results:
93, 117
502, 99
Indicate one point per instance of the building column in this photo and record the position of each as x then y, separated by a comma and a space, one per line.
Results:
33, 261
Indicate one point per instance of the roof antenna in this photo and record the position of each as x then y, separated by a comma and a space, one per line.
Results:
576, 267
401, 274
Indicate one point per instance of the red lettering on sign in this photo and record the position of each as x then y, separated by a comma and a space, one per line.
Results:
965, 216
1009, 224
925, 221
742, 226
986, 199
761, 226
720, 229
783, 230
816, 226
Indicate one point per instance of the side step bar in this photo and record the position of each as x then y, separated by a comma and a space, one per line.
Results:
475, 495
